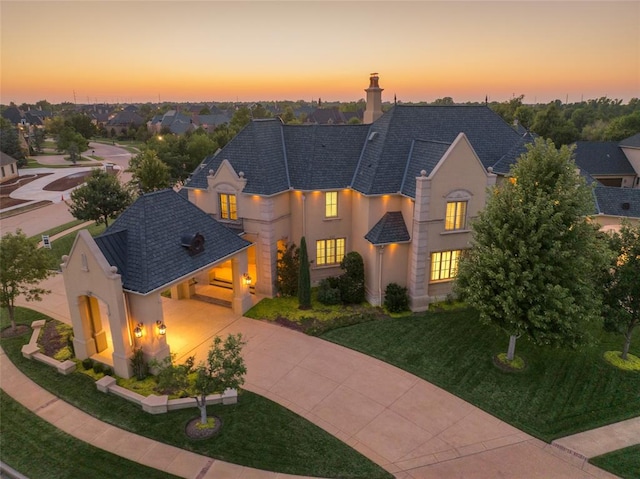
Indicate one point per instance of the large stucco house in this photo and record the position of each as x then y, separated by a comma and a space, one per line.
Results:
400, 189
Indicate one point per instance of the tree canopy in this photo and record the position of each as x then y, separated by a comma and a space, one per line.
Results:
102, 197
535, 256
150, 173
22, 267
622, 285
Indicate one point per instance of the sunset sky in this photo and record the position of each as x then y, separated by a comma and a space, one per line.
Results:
141, 51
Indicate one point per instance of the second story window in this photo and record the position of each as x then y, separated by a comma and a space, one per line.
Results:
331, 204
228, 208
456, 217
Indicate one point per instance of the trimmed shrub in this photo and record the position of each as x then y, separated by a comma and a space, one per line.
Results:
87, 363
287, 268
304, 278
138, 364
396, 298
97, 367
352, 281
329, 291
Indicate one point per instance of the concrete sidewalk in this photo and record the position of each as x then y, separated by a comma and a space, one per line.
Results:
117, 441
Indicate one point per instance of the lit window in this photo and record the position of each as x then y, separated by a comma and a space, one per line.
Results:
329, 251
331, 204
455, 218
228, 208
444, 265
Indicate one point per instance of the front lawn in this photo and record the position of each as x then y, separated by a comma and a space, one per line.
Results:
256, 432
560, 391
23, 436
624, 462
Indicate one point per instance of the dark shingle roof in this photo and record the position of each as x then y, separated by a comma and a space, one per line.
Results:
126, 117
145, 241
631, 142
373, 159
618, 201
602, 158
390, 229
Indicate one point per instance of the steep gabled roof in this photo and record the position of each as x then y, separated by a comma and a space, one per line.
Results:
390, 229
631, 142
145, 242
373, 159
424, 155
126, 117
618, 201
6, 159
602, 158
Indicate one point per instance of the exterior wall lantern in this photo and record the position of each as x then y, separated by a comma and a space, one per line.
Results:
162, 328
137, 331
246, 279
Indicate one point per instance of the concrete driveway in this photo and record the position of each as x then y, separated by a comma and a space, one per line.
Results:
405, 424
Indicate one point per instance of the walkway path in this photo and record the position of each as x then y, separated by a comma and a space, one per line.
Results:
407, 425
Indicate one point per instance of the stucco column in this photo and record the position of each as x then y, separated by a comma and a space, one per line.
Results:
84, 345
418, 256
241, 297
267, 249
147, 310
121, 337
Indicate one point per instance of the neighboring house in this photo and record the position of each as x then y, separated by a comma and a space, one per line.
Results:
14, 115
123, 121
331, 116
210, 122
8, 167
173, 121
611, 163
401, 191
114, 282
613, 205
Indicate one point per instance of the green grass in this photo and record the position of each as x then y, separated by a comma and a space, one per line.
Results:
256, 432
624, 462
62, 246
560, 391
315, 321
58, 229
23, 436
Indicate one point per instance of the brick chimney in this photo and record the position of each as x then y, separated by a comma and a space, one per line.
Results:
374, 100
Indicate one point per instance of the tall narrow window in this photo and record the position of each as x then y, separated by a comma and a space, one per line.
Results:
329, 251
331, 204
444, 265
228, 208
455, 218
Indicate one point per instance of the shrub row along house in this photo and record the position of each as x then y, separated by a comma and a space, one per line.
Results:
400, 189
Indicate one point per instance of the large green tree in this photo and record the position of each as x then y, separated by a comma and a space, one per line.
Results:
102, 197
22, 267
535, 258
9, 140
622, 285
150, 173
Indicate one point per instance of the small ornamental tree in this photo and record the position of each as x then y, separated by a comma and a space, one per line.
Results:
224, 369
304, 278
352, 280
100, 198
22, 267
535, 258
622, 285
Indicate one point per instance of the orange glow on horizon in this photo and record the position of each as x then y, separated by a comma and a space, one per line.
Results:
261, 51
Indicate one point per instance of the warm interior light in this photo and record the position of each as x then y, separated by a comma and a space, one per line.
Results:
137, 331
246, 279
162, 329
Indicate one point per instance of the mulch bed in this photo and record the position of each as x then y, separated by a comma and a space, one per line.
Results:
67, 182
193, 432
21, 330
10, 186
50, 340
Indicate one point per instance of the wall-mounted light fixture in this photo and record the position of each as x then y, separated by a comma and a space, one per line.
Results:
246, 279
162, 329
137, 331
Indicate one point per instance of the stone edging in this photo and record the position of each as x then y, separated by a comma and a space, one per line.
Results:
161, 404
32, 351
